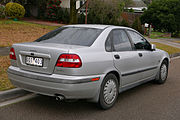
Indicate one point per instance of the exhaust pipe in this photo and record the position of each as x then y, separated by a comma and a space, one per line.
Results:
59, 97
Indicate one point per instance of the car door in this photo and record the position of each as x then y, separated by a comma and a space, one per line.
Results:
148, 58
125, 59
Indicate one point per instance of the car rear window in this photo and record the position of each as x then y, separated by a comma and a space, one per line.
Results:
71, 36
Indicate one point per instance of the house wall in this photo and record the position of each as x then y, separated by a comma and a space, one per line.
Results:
77, 4
66, 4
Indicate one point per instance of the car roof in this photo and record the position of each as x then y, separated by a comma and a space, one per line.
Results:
89, 26
97, 26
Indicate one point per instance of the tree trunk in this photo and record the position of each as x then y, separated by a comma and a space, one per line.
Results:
73, 12
150, 28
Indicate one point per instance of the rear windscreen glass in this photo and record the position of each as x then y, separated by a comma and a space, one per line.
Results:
71, 36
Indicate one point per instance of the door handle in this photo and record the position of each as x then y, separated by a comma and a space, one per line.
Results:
140, 54
117, 56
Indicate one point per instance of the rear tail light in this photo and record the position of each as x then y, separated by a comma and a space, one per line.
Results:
12, 54
69, 60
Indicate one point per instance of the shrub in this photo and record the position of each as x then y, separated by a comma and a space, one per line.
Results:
62, 15
14, 10
131, 10
2, 11
104, 12
53, 8
8, 5
42, 8
137, 25
66, 16
124, 23
81, 18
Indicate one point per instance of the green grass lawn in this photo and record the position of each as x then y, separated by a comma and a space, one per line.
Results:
6, 22
167, 48
158, 35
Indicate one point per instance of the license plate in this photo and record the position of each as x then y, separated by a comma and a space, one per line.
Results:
35, 61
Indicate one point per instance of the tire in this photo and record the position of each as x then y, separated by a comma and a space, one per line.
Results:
163, 73
109, 92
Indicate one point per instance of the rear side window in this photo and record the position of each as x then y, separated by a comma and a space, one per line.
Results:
121, 41
71, 36
108, 44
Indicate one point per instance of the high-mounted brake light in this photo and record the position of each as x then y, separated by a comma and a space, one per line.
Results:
69, 60
12, 54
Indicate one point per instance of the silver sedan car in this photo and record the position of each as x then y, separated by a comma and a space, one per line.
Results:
93, 62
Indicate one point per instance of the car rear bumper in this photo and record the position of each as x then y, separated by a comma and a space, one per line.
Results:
71, 87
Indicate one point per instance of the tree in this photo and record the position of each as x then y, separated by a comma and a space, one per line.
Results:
53, 7
126, 2
120, 3
124, 23
105, 12
147, 2
137, 25
164, 15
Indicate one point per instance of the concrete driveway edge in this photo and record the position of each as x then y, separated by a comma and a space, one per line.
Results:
174, 55
12, 93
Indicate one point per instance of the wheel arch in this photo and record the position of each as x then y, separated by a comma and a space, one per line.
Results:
116, 74
166, 59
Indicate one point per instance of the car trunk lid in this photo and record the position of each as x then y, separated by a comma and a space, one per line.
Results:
48, 52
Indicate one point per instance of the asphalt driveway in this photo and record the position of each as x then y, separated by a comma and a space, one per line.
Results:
146, 102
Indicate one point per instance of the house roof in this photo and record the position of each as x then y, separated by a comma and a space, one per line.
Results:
137, 3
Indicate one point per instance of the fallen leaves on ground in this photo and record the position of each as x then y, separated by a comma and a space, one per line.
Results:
17, 33
4, 81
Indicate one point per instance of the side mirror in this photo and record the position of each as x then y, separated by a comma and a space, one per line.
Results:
153, 47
